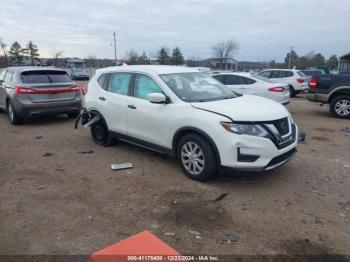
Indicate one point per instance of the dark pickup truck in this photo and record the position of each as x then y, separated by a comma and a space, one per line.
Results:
331, 89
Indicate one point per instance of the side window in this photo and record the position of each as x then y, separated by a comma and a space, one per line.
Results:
277, 74
102, 80
119, 83
8, 77
288, 74
249, 81
265, 74
144, 86
220, 78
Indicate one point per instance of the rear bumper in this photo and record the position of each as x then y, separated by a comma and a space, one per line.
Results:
29, 110
315, 97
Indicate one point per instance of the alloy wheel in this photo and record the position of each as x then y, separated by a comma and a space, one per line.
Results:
342, 107
192, 158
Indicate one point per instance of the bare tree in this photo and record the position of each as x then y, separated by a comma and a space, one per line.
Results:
224, 50
57, 55
90, 61
4, 50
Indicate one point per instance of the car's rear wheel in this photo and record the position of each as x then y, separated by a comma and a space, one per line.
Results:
73, 114
340, 106
196, 157
14, 118
291, 91
100, 134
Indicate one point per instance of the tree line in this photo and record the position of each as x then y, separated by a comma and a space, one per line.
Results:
311, 59
17, 54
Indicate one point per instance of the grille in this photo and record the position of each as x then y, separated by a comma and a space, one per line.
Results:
282, 126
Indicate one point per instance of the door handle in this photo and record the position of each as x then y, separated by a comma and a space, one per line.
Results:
132, 106
102, 98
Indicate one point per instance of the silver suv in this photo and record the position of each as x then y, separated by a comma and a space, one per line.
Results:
30, 91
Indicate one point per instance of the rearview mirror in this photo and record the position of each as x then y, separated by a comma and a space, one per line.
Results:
157, 98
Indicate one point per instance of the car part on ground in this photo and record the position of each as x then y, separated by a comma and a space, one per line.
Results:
121, 166
177, 111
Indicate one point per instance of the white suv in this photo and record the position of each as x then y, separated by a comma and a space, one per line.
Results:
188, 114
296, 79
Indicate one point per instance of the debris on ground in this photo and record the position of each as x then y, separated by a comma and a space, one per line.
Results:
194, 232
86, 152
41, 187
38, 137
230, 239
169, 234
346, 130
59, 169
121, 166
47, 154
221, 197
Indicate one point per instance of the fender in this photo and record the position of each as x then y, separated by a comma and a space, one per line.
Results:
188, 129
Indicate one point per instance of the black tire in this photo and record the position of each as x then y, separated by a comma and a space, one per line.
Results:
335, 107
73, 114
206, 164
100, 134
14, 118
291, 91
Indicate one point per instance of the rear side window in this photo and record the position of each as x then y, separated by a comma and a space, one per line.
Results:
2, 75
288, 73
301, 73
119, 83
102, 80
45, 77
8, 77
237, 80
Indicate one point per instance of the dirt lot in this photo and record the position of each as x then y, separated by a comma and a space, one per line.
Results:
59, 196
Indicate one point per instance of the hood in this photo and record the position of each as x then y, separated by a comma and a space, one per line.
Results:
246, 108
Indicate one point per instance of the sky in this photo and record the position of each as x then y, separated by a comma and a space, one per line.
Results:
264, 29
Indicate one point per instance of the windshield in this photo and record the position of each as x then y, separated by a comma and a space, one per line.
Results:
78, 69
197, 87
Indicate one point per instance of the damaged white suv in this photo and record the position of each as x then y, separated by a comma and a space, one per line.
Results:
188, 114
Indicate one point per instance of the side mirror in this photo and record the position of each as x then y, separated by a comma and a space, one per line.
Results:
157, 98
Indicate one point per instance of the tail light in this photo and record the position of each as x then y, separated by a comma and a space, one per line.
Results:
84, 89
277, 89
33, 91
300, 80
313, 82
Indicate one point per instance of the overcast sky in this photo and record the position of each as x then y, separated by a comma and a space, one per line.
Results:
264, 29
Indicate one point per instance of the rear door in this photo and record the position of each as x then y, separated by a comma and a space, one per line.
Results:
113, 100
48, 86
2, 89
237, 84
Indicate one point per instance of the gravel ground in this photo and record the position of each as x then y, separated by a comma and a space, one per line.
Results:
59, 196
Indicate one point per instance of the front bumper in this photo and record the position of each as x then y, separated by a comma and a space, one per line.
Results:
253, 154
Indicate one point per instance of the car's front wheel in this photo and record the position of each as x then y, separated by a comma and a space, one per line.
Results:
340, 106
100, 134
196, 157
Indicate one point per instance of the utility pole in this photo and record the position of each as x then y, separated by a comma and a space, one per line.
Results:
290, 57
115, 50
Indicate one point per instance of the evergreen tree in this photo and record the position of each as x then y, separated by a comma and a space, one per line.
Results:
31, 51
177, 58
16, 53
163, 56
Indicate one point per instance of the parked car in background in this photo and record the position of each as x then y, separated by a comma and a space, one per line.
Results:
309, 72
247, 84
296, 79
331, 89
188, 114
80, 73
30, 91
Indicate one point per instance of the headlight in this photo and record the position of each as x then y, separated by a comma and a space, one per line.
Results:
245, 129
